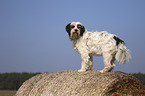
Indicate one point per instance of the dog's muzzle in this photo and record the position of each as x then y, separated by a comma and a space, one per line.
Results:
75, 35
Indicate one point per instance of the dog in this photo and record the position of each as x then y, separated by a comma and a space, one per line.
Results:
89, 44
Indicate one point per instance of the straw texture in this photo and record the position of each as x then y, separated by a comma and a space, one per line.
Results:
90, 83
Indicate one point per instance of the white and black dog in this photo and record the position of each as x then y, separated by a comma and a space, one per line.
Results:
89, 44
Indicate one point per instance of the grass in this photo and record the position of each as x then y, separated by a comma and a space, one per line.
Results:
7, 92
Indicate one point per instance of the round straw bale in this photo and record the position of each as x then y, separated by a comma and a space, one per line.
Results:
90, 83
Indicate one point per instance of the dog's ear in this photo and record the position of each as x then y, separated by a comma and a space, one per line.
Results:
68, 28
82, 30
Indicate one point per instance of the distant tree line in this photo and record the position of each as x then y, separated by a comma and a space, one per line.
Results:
12, 81
139, 76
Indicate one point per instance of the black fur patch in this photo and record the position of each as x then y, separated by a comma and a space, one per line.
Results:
68, 28
118, 40
82, 30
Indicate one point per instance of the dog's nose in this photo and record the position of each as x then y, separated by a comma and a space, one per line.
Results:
76, 30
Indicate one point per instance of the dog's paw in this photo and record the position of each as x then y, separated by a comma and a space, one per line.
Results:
81, 70
101, 71
107, 69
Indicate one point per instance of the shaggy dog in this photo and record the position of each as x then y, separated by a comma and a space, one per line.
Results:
89, 44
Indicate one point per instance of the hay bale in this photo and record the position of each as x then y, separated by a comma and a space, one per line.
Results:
90, 83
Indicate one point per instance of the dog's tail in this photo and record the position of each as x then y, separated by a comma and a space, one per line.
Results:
122, 56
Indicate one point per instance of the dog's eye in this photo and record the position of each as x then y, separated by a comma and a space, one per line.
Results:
72, 26
79, 27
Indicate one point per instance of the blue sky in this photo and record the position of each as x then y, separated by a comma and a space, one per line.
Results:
33, 36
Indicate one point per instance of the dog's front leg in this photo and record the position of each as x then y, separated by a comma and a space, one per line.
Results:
87, 63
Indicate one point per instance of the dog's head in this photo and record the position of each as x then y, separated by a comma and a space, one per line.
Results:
75, 30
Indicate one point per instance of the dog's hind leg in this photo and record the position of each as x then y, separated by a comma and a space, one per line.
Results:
90, 62
109, 62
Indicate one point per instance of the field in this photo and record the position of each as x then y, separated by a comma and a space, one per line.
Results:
7, 93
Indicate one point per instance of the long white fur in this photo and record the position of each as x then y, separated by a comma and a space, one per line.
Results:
122, 56
100, 44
